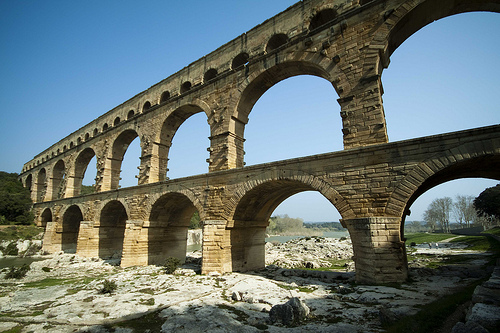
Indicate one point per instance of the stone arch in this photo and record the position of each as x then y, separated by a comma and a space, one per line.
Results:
164, 141
70, 228
81, 163
41, 185
322, 17
130, 114
474, 160
210, 75
165, 96
185, 87
112, 222
45, 217
169, 220
116, 122
252, 204
120, 146
240, 60
28, 183
58, 179
407, 19
146, 106
276, 41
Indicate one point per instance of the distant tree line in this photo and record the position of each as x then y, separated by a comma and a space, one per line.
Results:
15, 200
466, 211
285, 225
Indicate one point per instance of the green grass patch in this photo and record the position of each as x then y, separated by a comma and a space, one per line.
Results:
493, 231
241, 316
150, 322
431, 316
15, 232
479, 243
301, 289
16, 329
422, 237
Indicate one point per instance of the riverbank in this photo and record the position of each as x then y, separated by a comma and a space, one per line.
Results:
63, 294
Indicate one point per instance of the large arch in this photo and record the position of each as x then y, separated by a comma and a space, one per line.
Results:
254, 204
81, 164
112, 224
460, 163
120, 146
162, 146
45, 217
58, 175
415, 15
168, 227
70, 228
41, 185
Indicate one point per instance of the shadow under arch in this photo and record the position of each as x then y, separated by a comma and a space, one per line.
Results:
45, 217
120, 146
112, 224
170, 126
254, 205
168, 227
58, 178
70, 228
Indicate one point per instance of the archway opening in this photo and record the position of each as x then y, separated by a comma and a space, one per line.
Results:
169, 222
84, 178
112, 230
252, 216
296, 117
58, 180
46, 217
70, 228
130, 165
183, 143
431, 85
120, 147
41, 185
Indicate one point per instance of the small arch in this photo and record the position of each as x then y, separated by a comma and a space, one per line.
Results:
81, 164
186, 86
117, 121
45, 217
169, 223
275, 42
113, 220
65, 148
240, 60
210, 75
41, 185
70, 227
53, 154
120, 147
29, 182
130, 114
96, 131
105, 127
78, 141
146, 106
58, 175
322, 18
165, 96
87, 136
58, 151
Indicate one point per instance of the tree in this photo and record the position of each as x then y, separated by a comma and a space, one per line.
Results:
15, 200
463, 209
194, 223
487, 204
438, 213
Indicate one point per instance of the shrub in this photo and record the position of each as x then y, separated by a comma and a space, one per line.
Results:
108, 287
171, 265
11, 249
17, 272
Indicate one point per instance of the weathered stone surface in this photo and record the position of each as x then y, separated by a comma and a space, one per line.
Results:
291, 313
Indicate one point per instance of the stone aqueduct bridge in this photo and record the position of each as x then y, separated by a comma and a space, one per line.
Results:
372, 182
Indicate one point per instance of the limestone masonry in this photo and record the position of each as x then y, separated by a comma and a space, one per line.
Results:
372, 182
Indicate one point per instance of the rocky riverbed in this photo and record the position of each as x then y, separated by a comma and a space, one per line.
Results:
63, 293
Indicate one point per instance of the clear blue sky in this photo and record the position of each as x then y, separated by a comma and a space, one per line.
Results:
64, 63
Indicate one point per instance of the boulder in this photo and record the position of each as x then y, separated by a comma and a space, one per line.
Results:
291, 313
